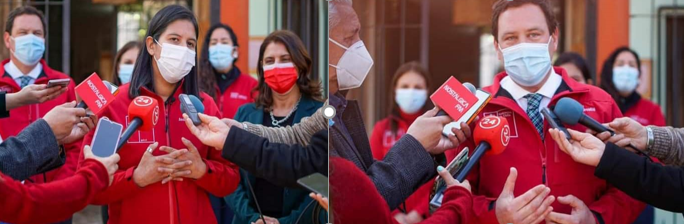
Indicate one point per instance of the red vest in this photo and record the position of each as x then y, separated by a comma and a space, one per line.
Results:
237, 94
23, 116
157, 203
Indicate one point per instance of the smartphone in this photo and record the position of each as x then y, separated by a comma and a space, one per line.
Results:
188, 108
106, 138
437, 192
554, 121
315, 182
58, 82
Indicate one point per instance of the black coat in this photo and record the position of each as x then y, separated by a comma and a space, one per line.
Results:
652, 183
281, 164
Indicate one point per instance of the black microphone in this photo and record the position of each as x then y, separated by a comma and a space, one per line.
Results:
571, 112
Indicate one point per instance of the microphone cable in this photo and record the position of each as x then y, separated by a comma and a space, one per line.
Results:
256, 202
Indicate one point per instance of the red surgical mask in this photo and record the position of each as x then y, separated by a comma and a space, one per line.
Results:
280, 76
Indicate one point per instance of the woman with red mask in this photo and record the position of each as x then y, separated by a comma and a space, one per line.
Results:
287, 92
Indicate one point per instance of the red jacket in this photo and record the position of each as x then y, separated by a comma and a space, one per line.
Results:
157, 203
646, 113
538, 160
23, 116
51, 202
237, 94
358, 201
382, 140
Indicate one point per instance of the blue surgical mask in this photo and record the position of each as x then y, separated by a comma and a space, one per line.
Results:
125, 73
410, 100
28, 49
625, 79
527, 63
221, 56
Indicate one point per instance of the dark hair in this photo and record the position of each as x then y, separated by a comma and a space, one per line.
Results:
23, 10
300, 58
128, 46
607, 71
142, 73
207, 74
575, 59
503, 5
412, 66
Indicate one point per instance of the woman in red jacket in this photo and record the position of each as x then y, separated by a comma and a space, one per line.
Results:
171, 184
351, 205
57, 200
411, 84
620, 77
219, 75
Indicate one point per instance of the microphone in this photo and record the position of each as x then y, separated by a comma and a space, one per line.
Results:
468, 86
492, 135
199, 106
113, 89
143, 114
571, 112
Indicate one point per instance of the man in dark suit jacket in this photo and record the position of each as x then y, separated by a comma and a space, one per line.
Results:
413, 159
38, 147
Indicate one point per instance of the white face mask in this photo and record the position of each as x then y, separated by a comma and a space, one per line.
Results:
353, 66
527, 63
625, 79
175, 62
410, 100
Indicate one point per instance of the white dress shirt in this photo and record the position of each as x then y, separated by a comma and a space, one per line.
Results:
14, 71
547, 90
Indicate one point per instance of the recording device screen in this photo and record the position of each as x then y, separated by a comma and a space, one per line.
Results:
315, 182
106, 137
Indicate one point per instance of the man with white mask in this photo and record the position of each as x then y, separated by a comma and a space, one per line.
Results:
552, 186
413, 159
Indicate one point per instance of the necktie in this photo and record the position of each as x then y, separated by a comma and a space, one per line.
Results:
25, 80
533, 102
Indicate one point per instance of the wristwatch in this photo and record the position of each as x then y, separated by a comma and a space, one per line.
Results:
650, 138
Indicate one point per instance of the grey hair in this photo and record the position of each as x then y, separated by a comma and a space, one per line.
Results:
333, 18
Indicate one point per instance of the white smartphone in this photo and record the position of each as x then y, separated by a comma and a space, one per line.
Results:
58, 82
106, 138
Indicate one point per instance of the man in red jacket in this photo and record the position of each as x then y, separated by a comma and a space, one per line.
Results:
25, 38
526, 35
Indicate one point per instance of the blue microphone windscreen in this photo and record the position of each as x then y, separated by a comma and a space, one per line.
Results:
197, 103
568, 110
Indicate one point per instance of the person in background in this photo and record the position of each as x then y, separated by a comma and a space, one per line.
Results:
620, 78
220, 77
25, 33
411, 84
125, 61
287, 93
575, 66
170, 184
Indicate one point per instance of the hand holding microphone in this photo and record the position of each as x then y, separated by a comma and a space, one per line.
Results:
571, 112
427, 129
628, 132
585, 148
